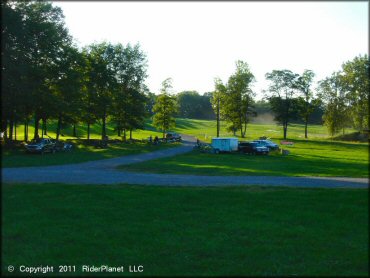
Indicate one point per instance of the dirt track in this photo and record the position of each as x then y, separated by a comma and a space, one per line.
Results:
104, 172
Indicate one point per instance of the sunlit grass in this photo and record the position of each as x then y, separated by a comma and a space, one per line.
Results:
306, 158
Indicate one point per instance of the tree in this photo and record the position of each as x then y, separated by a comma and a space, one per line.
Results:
165, 108
306, 101
239, 97
102, 80
194, 105
34, 33
129, 100
217, 95
336, 108
282, 91
356, 84
70, 87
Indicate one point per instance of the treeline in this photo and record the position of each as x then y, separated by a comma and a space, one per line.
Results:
343, 98
45, 76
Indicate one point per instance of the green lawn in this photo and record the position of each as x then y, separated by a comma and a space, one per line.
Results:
80, 153
187, 231
205, 130
306, 158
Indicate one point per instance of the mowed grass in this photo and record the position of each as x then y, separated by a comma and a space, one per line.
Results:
187, 231
204, 130
306, 158
79, 153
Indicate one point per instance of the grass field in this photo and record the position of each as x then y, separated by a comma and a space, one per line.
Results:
306, 158
205, 130
187, 231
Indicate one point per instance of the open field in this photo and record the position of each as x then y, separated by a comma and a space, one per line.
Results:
187, 230
306, 158
205, 130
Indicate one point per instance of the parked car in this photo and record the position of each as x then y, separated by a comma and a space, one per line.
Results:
41, 146
252, 148
267, 143
61, 146
172, 136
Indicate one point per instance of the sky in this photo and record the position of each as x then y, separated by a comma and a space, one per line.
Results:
195, 42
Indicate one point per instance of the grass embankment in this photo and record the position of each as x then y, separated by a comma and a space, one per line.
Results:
187, 230
306, 158
79, 153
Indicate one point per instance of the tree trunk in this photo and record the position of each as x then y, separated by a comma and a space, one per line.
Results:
305, 128
44, 132
44, 126
285, 131
74, 131
25, 130
59, 126
103, 133
124, 134
36, 134
130, 134
11, 126
119, 132
218, 117
15, 130
88, 131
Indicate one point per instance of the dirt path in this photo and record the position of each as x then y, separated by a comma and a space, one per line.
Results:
104, 172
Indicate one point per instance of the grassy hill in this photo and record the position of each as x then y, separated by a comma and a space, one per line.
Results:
202, 129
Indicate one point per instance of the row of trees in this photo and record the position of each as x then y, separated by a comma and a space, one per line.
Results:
344, 97
45, 76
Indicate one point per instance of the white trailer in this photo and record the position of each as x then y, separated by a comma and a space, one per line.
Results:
224, 144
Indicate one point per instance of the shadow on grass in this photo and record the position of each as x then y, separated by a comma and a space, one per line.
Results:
235, 164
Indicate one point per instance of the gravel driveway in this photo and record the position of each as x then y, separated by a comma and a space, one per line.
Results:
104, 172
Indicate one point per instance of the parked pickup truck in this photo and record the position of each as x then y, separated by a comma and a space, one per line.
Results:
252, 148
41, 146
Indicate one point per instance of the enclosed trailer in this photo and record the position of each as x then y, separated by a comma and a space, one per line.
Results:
224, 144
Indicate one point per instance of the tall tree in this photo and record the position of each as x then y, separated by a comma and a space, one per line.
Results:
282, 91
238, 100
336, 104
216, 100
70, 87
102, 80
130, 67
34, 34
307, 102
165, 108
355, 81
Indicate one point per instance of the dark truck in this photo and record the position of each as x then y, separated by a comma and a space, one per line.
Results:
252, 148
